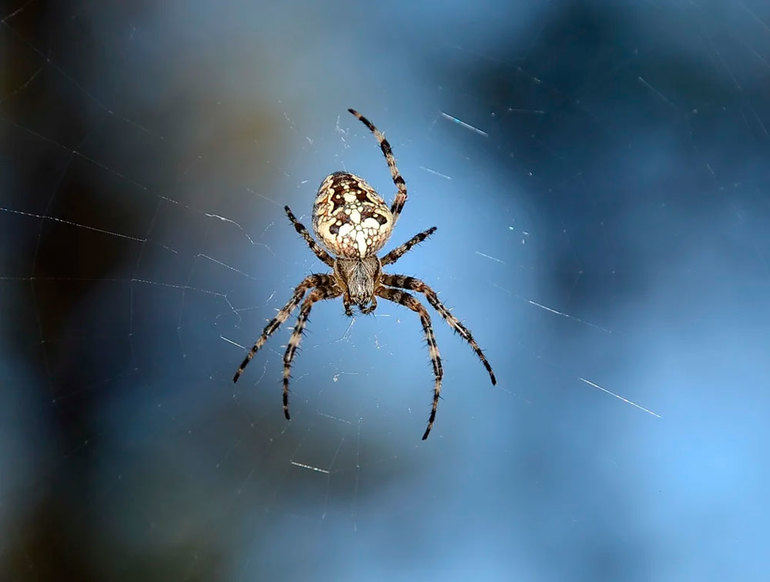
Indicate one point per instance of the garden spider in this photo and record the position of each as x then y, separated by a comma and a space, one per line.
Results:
353, 223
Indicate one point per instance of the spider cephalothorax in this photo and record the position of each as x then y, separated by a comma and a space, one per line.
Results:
359, 279
353, 222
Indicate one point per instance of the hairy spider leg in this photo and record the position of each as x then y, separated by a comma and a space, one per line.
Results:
315, 280
413, 284
407, 300
316, 294
400, 251
400, 199
314, 246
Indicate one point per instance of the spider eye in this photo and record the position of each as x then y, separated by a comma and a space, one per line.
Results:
350, 218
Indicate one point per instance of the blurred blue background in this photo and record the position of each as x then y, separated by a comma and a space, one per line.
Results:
598, 173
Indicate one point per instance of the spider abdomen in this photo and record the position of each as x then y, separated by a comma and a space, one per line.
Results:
350, 218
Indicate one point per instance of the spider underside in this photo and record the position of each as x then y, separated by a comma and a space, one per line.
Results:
353, 223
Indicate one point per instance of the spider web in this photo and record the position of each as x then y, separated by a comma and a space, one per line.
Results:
598, 176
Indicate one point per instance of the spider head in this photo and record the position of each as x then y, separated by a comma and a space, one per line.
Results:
359, 278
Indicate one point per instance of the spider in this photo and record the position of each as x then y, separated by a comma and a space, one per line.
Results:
353, 223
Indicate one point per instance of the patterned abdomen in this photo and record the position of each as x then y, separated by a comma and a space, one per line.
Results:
350, 218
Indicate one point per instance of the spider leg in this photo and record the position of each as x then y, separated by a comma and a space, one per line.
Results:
400, 199
400, 251
407, 300
317, 294
316, 280
300, 228
413, 284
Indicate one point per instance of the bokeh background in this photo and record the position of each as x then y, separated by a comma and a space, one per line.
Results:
598, 173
